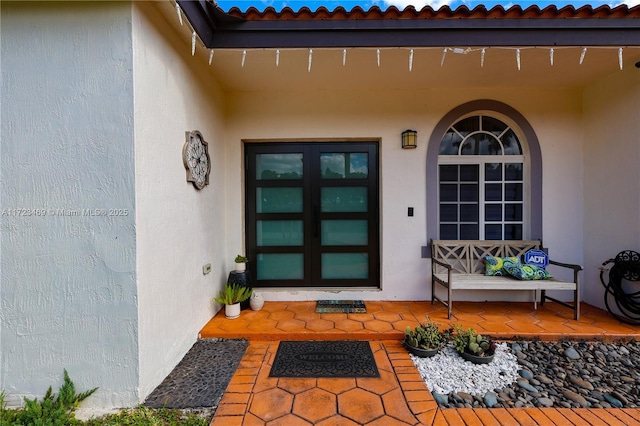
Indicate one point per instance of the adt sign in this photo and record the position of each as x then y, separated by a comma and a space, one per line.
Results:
536, 257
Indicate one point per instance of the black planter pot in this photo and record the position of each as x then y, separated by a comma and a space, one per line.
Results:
419, 352
477, 359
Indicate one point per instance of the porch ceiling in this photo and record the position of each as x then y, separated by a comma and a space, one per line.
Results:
361, 71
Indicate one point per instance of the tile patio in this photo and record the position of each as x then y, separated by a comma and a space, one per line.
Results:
399, 396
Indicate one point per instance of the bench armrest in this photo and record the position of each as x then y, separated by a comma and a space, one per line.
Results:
576, 268
441, 263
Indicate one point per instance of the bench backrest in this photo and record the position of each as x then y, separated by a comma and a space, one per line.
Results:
465, 256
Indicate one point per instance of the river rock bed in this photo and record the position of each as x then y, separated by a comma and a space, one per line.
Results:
562, 374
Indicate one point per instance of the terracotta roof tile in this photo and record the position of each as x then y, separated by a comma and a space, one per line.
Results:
445, 12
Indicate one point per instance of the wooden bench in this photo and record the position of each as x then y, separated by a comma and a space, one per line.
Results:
458, 265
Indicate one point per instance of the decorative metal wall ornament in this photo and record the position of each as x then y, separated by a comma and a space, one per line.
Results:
195, 156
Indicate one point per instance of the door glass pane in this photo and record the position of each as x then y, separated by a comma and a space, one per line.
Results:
280, 266
278, 166
278, 200
279, 233
345, 266
343, 199
345, 233
344, 165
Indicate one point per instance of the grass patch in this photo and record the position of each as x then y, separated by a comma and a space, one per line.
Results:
143, 416
58, 410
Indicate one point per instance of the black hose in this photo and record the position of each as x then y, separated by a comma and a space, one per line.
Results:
626, 266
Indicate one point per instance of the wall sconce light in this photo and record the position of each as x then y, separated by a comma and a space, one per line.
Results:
409, 139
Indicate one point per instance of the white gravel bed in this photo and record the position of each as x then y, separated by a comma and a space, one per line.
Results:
447, 372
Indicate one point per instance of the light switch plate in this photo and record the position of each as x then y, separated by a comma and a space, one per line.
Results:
206, 269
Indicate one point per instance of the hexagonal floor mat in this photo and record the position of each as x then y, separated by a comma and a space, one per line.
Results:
330, 358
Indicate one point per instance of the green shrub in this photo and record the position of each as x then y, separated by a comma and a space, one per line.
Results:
53, 410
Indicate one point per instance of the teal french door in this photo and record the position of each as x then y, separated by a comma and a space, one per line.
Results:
311, 216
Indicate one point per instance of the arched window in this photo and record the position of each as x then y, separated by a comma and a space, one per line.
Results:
484, 175
481, 181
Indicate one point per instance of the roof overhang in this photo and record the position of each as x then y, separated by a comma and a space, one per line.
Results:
409, 28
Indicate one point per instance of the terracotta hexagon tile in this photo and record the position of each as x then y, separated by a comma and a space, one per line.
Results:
337, 421
336, 386
271, 404
291, 325
289, 420
388, 421
249, 420
315, 404
263, 325
296, 385
348, 325
237, 324
254, 315
493, 328
402, 325
281, 315
360, 406
396, 406
319, 325
379, 386
376, 306
378, 326
387, 316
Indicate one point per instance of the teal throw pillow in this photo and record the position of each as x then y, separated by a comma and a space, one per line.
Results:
495, 266
523, 271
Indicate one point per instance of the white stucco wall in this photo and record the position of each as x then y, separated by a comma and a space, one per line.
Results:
612, 174
179, 229
68, 283
554, 114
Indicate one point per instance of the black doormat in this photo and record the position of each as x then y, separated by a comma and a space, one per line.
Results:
331, 358
201, 377
340, 306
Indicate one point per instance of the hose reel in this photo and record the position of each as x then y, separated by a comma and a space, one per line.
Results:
621, 287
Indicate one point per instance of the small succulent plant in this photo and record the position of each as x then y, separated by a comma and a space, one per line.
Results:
426, 336
470, 342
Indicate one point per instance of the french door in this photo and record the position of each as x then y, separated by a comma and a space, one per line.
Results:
312, 214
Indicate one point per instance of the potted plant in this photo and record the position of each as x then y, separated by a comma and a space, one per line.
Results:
231, 296
425, 339
241, 263
472, 346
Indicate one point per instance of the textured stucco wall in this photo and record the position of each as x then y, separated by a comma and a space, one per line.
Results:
612, 173
179, 229
68, 283
554, 114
